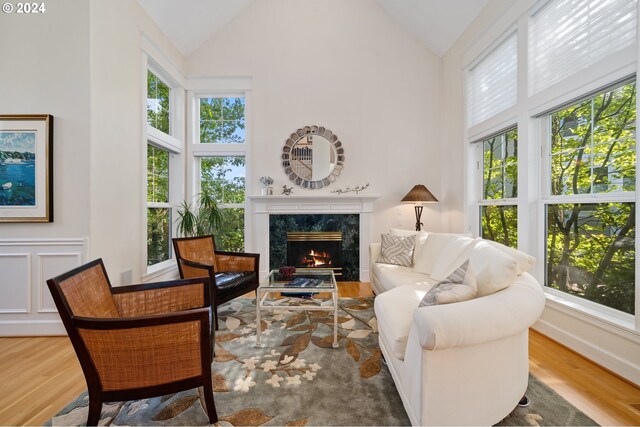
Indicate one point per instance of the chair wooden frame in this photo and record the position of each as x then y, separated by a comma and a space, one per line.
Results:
209, 269
77, 324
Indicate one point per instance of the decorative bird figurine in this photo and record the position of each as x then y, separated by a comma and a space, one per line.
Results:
286, 190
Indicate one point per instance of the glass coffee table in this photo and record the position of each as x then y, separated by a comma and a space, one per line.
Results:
302, 283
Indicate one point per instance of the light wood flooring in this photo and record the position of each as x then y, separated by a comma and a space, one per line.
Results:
39, 376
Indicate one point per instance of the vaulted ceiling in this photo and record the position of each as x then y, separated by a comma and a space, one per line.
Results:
189, 23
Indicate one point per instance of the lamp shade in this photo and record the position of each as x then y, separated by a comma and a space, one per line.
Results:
419, 194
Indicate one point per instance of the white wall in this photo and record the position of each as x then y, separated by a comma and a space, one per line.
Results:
117, 129
45, 70
612, 346
350, 67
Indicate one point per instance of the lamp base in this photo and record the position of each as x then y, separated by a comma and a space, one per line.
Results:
418, 215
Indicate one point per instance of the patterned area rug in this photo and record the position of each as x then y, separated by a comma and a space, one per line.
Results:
298, 379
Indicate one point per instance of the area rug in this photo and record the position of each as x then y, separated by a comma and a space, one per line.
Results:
296, 378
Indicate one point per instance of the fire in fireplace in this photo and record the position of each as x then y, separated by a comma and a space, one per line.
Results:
315, 249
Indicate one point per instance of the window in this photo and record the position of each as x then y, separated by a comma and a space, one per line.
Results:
492, 85
163, 144
158, 103
567, 36
499, 192
158, 206
222, 121
590, 232
222, 159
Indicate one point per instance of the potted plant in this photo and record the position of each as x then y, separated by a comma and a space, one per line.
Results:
200, 220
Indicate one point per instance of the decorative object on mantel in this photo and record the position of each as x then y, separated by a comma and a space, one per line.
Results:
267, 189
419, 195
357, 189
26, 168
287, 190
313, 157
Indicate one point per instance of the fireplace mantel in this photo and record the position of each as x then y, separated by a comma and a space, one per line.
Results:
263, 206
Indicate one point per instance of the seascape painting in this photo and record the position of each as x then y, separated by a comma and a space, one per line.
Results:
17, 168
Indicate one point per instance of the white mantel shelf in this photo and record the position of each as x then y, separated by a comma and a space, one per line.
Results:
263, 206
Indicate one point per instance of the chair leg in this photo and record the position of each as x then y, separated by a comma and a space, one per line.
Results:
208, 401
216, 313
95, 408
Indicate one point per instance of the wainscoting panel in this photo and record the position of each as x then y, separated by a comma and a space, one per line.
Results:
26, 306
15, 278
51, 265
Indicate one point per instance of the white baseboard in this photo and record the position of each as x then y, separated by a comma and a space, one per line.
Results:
31, 328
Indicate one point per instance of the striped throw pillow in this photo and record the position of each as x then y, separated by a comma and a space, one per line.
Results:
458, 286
397, 250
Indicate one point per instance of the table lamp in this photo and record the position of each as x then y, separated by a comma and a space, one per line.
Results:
419, 195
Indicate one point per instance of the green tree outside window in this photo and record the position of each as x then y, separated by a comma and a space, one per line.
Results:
591, 246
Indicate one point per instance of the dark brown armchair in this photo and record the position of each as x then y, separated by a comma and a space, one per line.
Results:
137, 341
232, 274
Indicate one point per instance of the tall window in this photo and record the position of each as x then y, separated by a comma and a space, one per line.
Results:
222, 164
499, 192
164, 114
590, 231
158, 206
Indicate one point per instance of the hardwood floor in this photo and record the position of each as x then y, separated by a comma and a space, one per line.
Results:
39, 376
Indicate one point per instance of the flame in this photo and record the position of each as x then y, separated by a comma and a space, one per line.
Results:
317, 259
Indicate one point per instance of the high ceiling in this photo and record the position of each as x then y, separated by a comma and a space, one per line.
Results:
189, 23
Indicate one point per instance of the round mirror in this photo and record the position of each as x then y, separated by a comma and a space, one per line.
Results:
313, 157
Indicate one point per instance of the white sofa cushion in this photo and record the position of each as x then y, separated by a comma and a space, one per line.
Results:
428, 250
524, 260
457, 287
390, 276
397, 250
494, 269
394, 311
452, 256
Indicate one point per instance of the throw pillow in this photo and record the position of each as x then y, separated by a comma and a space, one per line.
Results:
452, 256
524, 260
494, 269
458, 286
427, 250
397, 250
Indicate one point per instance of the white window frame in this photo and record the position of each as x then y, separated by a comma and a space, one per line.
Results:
221, 88
173, 143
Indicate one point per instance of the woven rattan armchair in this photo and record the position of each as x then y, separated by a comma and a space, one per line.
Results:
232, 274
137, 341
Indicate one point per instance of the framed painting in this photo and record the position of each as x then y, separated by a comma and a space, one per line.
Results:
26, 168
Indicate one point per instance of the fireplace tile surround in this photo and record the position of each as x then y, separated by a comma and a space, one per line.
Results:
263, 207
345, 225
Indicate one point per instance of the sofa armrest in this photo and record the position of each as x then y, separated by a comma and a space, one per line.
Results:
374, 252
481, 320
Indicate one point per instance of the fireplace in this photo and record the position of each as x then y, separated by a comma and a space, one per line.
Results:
335, 235
315, 249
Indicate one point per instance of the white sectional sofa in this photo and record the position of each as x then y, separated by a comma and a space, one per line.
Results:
464, 363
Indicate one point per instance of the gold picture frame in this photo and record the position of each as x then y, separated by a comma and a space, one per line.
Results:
26, 168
